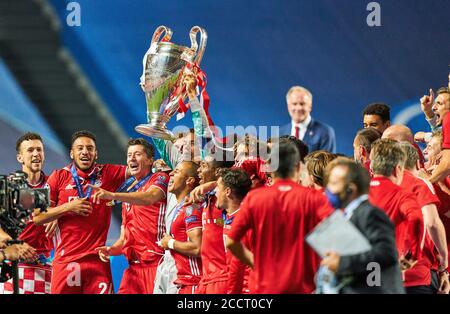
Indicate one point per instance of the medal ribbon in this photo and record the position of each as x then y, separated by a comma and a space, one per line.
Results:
175, 212
225, 220
76, 179
125, 186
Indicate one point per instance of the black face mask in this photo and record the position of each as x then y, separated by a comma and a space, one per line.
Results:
338, 200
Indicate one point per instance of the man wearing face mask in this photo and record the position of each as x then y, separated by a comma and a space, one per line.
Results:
349, 183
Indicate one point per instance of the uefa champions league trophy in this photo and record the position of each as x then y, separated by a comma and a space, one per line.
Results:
164, 65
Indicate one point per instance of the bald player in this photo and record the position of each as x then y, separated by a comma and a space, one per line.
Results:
401, 133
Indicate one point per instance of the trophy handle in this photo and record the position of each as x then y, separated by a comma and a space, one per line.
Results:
194, 46
159, 31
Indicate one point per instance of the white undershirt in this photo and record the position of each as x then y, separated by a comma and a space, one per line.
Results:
302, 125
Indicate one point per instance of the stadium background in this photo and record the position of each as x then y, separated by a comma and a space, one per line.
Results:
55, 78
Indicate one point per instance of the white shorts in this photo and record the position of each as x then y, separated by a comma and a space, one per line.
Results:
166, 275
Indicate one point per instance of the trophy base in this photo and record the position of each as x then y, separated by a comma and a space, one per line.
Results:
152, 131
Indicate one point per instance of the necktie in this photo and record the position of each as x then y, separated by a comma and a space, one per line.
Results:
297, 132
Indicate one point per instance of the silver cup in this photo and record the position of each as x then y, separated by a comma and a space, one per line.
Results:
164, 65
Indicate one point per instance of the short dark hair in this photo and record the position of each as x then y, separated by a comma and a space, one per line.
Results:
238, 181
27, 137
288, 158
380, 109
191, 171
83, 133
301, 146
356, 174
367, 136
148, 148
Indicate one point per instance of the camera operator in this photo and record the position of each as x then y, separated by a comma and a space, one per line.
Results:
30, 154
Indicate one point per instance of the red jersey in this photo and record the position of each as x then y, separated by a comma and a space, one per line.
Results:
366, 165
238, 273
446, 132
255, 168
35, 235
280, 216
144, 225
404, 212
213, 249
444, 210
78, 236
424, 191
189, 268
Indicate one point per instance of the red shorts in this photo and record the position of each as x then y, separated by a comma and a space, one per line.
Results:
88, 275
33, 279
138, 279
218, 287
187, 289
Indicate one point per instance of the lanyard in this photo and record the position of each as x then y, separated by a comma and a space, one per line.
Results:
137, 186
175, 212
134, 188
76, 178
225, 220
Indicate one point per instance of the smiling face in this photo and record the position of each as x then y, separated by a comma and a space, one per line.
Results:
441, 107
433, 148
139, 163
375, 121
178, 178
299, 105
31, 155
207, 171
83, 153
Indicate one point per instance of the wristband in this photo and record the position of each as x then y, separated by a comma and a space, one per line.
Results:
170, 243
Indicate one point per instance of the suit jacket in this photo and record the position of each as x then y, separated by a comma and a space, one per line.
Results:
376, 226
318, 136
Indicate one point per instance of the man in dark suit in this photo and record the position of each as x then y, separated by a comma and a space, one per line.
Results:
315, 134
377, 270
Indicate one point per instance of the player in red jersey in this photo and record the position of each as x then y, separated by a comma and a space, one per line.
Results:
185, 239
232, 186
249, 157
429, 275
143, 198
280, 216
82, 225
214, 277
441, 109
387, 163
34, 277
